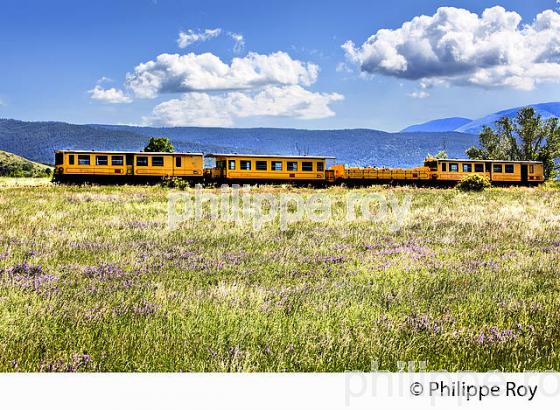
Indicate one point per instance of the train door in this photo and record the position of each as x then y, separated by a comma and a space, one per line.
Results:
129, 164
524, 173
177, 165
220, 168
488, 169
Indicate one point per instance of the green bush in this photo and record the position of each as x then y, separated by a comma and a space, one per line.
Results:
474, 182
174, 182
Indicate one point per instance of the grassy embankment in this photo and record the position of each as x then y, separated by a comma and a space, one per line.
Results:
91, 279
12, 165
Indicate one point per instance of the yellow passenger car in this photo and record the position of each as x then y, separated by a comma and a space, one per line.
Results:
269, 168
506, 172
126, 165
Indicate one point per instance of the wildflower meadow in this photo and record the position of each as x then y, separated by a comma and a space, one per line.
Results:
92, 279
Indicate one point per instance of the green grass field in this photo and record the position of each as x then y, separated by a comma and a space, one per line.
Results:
91, 279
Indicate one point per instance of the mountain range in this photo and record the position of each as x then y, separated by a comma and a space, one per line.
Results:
37, 141
468, 126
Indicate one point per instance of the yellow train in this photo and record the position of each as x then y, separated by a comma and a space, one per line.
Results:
119, 166
273, 168
115, 166
448, 171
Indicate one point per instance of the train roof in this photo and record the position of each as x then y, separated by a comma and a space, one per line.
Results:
215, 155
77, 151
486, 160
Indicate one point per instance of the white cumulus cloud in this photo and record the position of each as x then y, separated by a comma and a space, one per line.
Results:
186, 38
110, 95
173, 73
457, 46
203, 109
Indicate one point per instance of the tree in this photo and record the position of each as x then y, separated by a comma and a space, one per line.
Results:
159, 144
526, 138
442, 155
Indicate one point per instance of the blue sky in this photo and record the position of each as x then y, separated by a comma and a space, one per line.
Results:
68, 61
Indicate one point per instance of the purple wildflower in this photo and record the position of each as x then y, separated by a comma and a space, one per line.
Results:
422, 324
329, 259
495, 336
145, 309
25, 269
77, 362
104, 271
93, 313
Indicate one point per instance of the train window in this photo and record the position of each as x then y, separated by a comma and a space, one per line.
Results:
320, 166
292, 166
276, 165
117, 160
478, 167
101, 160
141, 161
497, 168
261, 166
444, 167
488, 167
453, 167
178, 162
83, 159
467, 167
231, 164
71, 159
245, 165
58, 158
307, 166
509, 168
157, 161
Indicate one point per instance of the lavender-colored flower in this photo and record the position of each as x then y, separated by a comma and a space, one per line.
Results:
25, 269
104, 271
330, 259
36, 282
422, 324
410, 249
495, 336
93, 313
88, 246
145, 309
77, 362
481, 338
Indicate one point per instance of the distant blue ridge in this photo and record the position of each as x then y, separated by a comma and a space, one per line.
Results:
441, 125
546, 110
459, 124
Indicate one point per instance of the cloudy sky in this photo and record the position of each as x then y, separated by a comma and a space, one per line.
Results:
301, 64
